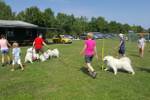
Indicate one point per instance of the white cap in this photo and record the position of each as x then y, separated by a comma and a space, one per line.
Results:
121, 35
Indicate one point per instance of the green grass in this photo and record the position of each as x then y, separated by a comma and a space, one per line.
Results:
62, 78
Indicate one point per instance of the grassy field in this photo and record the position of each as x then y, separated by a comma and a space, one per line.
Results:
63, 79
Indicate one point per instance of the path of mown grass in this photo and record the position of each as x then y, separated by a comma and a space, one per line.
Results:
62, 79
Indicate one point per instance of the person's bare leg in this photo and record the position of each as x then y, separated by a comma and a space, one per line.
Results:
142, 52
90, 67
3, 58
8, 59
91, 70
22, 68
13, 68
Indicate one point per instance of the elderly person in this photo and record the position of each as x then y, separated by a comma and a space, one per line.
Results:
121, 50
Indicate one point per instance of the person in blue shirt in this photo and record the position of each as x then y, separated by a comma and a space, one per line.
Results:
16, 56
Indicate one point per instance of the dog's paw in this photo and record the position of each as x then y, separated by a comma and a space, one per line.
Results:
115, 73
133, 73
105, 69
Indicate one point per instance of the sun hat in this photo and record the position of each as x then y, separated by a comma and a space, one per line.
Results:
121, 35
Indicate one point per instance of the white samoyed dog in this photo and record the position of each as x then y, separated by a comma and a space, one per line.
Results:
115, 64
31, 55
44, 56
53, 53
49, 54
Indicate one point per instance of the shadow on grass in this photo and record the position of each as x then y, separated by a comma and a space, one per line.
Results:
119, 70
135, 55
85, 71
144, 69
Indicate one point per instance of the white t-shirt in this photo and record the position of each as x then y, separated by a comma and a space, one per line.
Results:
16, 53
141, 42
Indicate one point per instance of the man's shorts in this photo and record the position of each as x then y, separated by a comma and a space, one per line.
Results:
39, 50
88, 59
4, 51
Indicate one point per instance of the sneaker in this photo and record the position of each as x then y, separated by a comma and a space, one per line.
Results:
3, 64
94, 74
90, 72
22, 69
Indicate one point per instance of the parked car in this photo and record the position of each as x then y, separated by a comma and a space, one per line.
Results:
61, 39
69, 36
98, 36
83, 36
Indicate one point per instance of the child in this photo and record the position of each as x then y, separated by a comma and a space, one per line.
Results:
141, 45
121, 45
16, 56
89, 50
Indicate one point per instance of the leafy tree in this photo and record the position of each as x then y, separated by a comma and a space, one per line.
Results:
137, 29
92, 25
5, 11
48, 18
113, 27
66, 24
80, 25
126, 28
32, 15
101, 24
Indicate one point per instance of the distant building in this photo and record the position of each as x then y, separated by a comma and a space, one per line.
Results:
20, 31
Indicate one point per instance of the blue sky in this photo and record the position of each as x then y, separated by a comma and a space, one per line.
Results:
133, 12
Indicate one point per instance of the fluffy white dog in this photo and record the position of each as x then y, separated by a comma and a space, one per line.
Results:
44, 56
31, 55
49, 54
115, 64
53, 53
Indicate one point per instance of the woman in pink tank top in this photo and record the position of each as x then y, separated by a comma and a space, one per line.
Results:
89, 50
4, 49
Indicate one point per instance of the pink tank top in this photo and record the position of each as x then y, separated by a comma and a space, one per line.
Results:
90, 47
3, 44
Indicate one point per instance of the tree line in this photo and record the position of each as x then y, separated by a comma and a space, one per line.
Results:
65, 23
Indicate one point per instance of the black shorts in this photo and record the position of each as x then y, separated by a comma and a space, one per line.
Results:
39, 50
88, 59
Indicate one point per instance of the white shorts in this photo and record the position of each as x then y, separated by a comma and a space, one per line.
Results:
141, 46
16, 61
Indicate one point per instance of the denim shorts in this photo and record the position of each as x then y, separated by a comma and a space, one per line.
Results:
88, 58
4, 51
